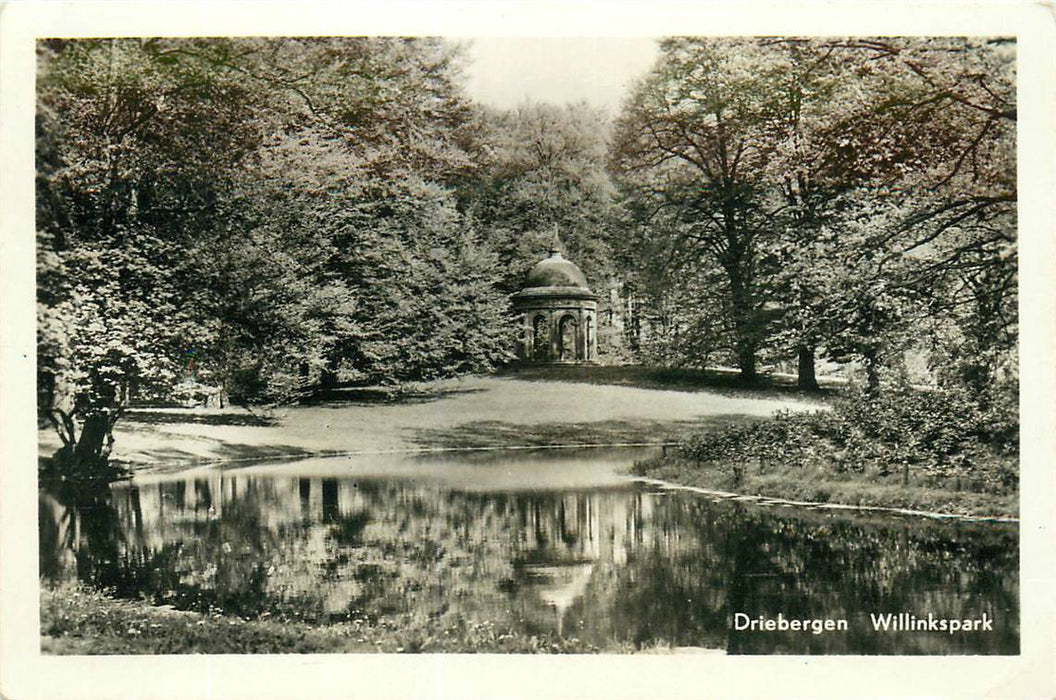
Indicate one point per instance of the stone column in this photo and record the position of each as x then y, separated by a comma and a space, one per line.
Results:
555, 335
527, 337
582, 347
590, 336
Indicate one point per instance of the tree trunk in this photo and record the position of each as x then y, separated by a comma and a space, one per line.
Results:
633, 327
87, 456
872, 370
328, 379
746, 361
744, 323
807, 379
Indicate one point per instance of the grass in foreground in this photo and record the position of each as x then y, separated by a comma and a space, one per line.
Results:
77, 620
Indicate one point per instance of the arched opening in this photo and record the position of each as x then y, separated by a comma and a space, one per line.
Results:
568, 348
540, 338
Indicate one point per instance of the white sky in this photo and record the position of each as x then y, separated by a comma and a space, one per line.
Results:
507, 71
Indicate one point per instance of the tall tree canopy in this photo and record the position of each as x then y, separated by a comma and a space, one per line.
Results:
544, 167
136, 153
694, 144
254, 213
821, 192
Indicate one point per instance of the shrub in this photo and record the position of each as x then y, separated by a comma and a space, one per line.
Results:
929, 435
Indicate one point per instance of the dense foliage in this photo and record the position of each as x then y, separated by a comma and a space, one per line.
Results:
257, 216
852, 197
258, 220
943, 438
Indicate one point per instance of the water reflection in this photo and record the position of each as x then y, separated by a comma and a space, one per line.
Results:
574, 551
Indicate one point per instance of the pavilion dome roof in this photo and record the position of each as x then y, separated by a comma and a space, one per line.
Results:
555, 271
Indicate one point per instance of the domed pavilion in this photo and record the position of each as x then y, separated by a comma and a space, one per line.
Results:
558, 312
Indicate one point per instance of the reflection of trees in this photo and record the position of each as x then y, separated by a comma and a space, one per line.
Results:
818, 567
676, 599
55, 539
603, 565
80, 523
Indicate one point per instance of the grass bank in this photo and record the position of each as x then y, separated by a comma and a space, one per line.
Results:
941, 451
78, 620
820, 486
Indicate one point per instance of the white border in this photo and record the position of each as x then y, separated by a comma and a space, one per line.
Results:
26, 674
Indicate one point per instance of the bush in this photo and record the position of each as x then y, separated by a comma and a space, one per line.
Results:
932, 436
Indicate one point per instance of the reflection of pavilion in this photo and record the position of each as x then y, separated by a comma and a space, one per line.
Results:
560, 586
569, 540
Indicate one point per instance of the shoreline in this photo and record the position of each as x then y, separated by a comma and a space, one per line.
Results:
712, 490
146, 468
792, 489
764, 500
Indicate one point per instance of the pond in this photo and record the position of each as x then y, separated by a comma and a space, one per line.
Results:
546, 541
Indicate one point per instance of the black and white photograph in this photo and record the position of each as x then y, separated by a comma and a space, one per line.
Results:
677, 347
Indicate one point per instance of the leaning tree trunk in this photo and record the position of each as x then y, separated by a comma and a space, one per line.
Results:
85, 456
93, 446
807, 379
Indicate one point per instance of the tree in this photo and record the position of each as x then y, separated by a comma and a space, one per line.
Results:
427, 290
804, 194
544, 166
929, 147
838, 184
365, 172
133, 152
694, 142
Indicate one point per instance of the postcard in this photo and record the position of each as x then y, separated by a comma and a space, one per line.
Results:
527, 350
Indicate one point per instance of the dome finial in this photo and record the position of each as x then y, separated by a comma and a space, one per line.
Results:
555, 244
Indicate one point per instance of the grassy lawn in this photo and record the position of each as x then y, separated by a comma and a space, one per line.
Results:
499, 434
717, 381
552, 405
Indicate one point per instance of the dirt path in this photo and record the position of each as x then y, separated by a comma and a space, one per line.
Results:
471, 411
